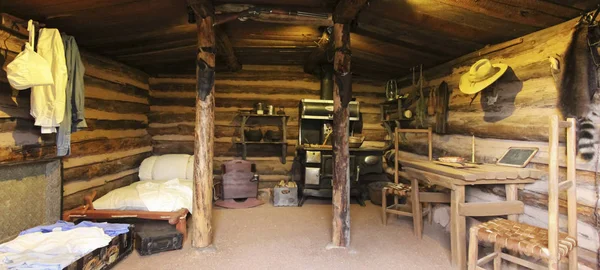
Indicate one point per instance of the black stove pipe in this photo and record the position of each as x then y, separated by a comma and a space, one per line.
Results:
327, 82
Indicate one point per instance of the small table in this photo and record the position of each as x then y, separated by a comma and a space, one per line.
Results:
456, 179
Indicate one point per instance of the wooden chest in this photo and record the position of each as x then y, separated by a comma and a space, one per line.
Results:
155, 237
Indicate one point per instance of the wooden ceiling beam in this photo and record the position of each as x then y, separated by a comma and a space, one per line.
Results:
315, 59
202, 8
449, 20
346, 10
292, 19
528, 12
225, 50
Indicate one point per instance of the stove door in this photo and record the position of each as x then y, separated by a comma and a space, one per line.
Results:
312, 176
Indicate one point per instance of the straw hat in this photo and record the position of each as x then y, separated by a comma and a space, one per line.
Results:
481, 75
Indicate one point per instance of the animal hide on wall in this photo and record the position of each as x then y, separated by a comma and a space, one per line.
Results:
577, 80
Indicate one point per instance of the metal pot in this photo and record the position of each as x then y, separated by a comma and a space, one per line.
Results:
273, 135
253, 135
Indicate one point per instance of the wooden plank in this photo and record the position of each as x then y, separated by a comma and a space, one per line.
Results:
512, 195
434, 197
553, 200
488, 209
571, 141
439, 169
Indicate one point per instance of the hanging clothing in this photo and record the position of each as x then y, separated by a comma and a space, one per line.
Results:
48, 101
74, 118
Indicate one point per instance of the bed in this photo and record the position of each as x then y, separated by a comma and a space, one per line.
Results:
164, 192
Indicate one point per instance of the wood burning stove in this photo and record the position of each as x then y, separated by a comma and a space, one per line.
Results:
315, 153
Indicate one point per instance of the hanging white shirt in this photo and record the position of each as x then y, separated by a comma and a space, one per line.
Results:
48, 101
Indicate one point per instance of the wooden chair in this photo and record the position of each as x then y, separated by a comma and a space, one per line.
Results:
550, 245
414, 194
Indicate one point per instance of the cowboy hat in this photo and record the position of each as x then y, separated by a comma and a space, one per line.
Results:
481, 75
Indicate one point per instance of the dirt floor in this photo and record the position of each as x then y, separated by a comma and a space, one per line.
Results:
270, 237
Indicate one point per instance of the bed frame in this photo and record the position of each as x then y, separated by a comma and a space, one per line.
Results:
87, 211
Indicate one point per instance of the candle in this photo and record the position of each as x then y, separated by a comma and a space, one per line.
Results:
473, 150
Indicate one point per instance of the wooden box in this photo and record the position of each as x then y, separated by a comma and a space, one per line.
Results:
285, 196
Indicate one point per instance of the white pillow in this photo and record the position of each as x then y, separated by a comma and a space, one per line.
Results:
145, 172
189, 175
170, 166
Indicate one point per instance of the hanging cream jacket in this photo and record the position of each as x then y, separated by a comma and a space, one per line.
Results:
48, 101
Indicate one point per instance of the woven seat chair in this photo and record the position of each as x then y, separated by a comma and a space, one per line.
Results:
550, 244
415, 195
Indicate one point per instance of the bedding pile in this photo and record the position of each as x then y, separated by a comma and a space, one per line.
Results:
165, 185
56, 246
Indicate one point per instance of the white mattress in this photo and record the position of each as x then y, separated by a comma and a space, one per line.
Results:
128, 197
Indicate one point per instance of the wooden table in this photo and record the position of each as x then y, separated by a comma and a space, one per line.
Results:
456, 179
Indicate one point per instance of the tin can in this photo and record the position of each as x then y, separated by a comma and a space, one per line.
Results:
270, 109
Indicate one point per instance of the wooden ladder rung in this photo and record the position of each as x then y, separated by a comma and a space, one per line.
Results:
564, 124
488, 258
564, 185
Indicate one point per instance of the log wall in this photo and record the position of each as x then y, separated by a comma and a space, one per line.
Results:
527, 96
103, 157
171, 117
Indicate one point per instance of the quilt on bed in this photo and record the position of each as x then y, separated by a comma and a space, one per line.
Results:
158, 195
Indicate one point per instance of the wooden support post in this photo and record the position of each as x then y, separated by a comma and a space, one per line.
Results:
202, 235
342, 92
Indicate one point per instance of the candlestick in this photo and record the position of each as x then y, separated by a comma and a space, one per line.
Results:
473, 150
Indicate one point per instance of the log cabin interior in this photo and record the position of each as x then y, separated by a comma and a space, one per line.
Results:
218, 134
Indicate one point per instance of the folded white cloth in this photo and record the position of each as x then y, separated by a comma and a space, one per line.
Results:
171, 195
56, 249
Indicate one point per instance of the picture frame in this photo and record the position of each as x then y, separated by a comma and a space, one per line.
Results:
517, 156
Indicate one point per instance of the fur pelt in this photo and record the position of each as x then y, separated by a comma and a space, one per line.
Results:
578, 83
577, 80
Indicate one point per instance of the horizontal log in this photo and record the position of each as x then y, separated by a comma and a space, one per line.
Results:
95, 124
69, 162
116, 106
486, 150
26, 153
76, 186
221, 149
98, 114
101, 89
106, 134
86, 148
94, 170
109, 70
77, 199
529, 198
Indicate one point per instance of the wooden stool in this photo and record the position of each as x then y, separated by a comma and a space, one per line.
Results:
413, 193
550, 245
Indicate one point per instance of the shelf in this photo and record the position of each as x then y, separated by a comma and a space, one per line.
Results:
392, 102
263, 115
261, 142
394, 120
